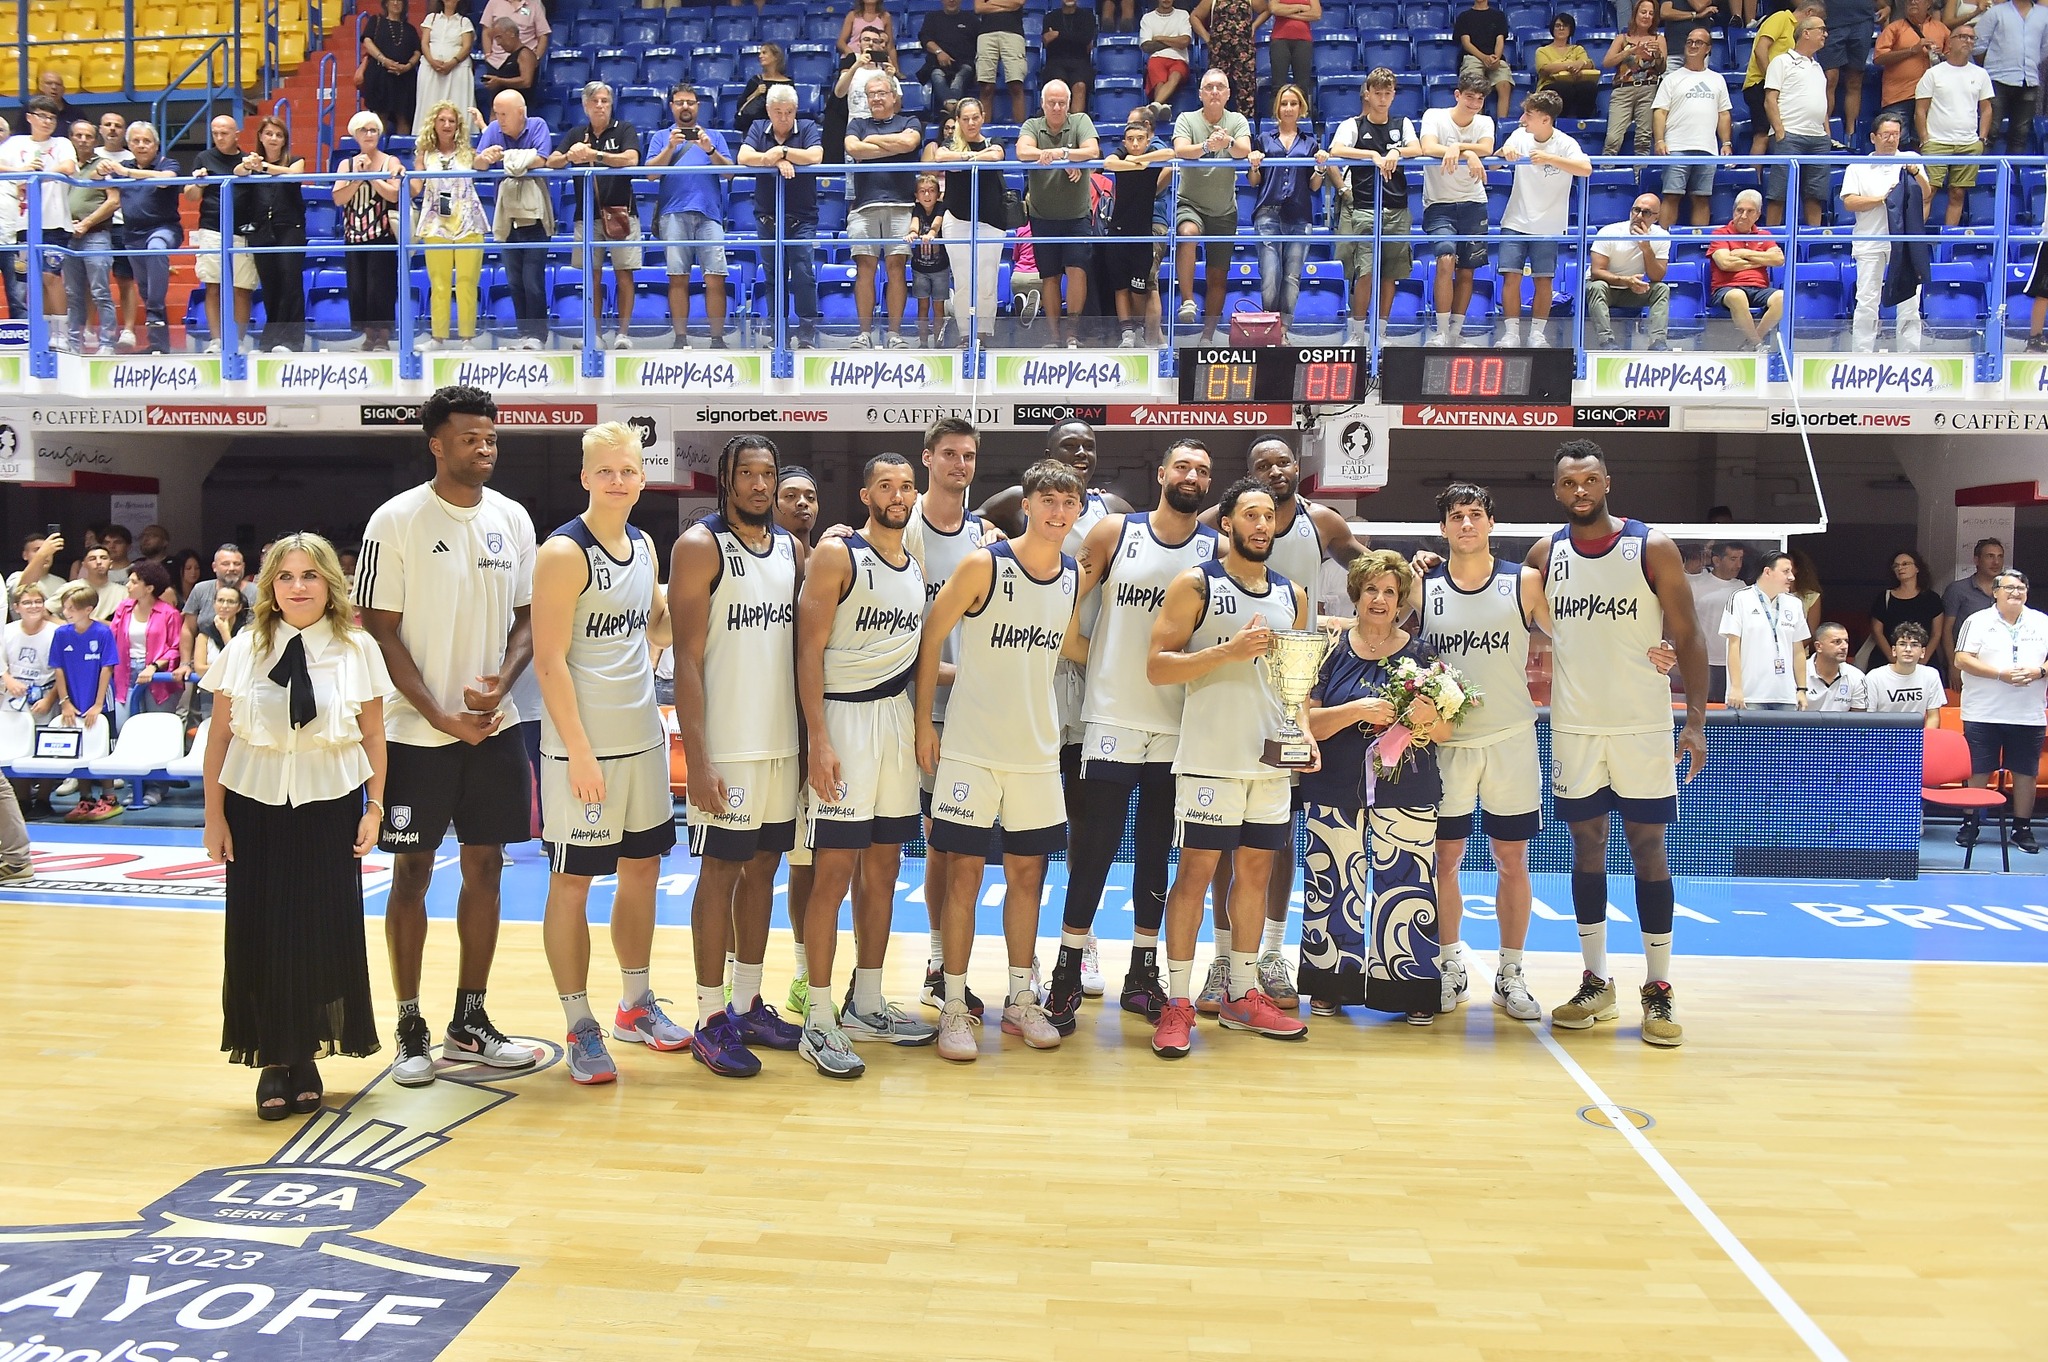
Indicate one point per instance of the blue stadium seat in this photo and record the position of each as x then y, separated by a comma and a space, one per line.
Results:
596, 32
615, 66
732, 25
1687, 280
689, 29
1376, 15
650, 31
781, 28
1820, 295
1116, 55
835, 296
1435, 54
811, 64
1431, 16
1408, 101
1610, 194
643, 108
714, 64
568, 68
1334, 53
1323, 298
1112, 100
1953, 303
663, 67
1384, 47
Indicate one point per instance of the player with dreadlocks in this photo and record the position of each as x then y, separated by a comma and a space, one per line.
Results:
732, 596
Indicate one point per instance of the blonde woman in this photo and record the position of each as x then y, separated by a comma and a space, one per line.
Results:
975, 267
372, 260
451, 223
294, 794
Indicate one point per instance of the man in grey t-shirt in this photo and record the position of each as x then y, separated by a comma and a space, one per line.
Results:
1059, 203
229, 567
1207, 211
1967, 596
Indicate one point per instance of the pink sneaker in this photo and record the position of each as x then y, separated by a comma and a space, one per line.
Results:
956, 1034
1257, 1012
1029, 1020
1174, 1036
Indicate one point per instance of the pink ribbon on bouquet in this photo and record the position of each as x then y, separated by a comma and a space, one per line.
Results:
1389, 747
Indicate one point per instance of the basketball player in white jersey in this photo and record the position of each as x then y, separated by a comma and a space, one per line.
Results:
1478, 613
796, 502
857, 622
1615, 588
445, 579
605, 804
1131, 726
732, 598
1213, 631
796, 510
999, 758
1304, 535
941, 534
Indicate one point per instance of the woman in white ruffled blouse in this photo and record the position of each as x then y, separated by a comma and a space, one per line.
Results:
294, 795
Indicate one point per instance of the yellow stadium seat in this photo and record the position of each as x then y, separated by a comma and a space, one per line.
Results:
192, 50
42, 23
80, 24
201, 19
100, 76
160, 18
152, 71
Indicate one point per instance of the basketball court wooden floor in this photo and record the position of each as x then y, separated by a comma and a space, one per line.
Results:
1847, 1160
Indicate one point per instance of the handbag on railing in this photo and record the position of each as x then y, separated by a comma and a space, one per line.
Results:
1257, 328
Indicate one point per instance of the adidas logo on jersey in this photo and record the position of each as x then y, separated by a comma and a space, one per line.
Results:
440, 547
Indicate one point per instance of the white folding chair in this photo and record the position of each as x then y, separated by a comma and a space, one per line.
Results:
192, 766
17, 735
148, 743
98, 739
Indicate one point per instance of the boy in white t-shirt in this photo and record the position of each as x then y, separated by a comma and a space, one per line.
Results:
1539, 205
1908, 685
25, 666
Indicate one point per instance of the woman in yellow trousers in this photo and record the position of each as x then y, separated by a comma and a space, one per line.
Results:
451, 222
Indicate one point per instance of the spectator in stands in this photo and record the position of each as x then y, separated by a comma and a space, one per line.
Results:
1636, 56
524, 215
1712, 589
866, 16
689, 210
2011, 37
116, 540
1910, 600
108, 591
25, 661
277, 218
849, 95
602, 141
1166, 37
149, 655
1069, 40
216, 628
186, 570
219, 159
1907, 685
1773, 37
2002, 654
1795, 102
372, 263
1058, 205
1972, 595
82, 657
88, 270
947, 125
1690, 117
1852, 28
1911, 44
153, 545
451, 224
1834, 685
113, 128
975, 268
1481, 34
530, 16
11, 229
879, 219
1952, 117
45, 148
779, 144
1680, 18
1376, 139
999, 52
516, 64
1453, 141
2037, 289
773, 64
1545, 163
931, 277
154, 226
229, 570
1207, 211
1131, 263
1286, 203
39, 553
1740, 262
1960, 13
446, 39
1866, 190
1626, 270
1290, 47
947, 37
388, 75
1115, 20
1562, 66
1227, 28
1766, 633
50, 85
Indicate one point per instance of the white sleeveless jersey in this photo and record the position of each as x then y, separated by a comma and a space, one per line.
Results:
1233, 710
1485, 635
609, 663
872, 648
1003, 715
938, 554
750, 649
1605, 619
1133, 588
1298, 552
1093, 513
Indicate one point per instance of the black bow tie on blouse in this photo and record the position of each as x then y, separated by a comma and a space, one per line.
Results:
291, 673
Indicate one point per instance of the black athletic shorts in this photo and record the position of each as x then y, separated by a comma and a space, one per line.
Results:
486, 791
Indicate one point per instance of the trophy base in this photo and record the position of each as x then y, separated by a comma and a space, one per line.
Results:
1289, 754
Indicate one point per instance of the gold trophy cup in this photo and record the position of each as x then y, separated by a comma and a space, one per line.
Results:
1292, 664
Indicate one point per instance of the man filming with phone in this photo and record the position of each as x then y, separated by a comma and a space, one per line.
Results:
689, 211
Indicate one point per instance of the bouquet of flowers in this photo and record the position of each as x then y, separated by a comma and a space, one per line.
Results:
1407, 682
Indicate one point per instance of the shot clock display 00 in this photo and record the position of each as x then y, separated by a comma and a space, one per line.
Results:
1411, 374
1273, 373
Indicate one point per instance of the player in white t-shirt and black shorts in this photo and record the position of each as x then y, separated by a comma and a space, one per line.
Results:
445, 579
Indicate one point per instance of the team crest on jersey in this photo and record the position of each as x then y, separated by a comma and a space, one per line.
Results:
959, 791
401, 817
735, 795
495, 542
593, 814
1108, 743
1629, 549
1205, 546
1205, 796
1504, 585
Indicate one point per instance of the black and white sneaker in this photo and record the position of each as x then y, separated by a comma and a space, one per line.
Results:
476, 1040
1966, 835
934, 993
2023, 838
414, 1067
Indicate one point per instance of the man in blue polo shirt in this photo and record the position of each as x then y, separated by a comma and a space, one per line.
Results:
690, 209
779, 144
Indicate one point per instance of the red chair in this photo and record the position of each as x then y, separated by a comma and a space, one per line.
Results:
1945, 765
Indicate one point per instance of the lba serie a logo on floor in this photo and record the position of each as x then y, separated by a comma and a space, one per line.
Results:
269, 1261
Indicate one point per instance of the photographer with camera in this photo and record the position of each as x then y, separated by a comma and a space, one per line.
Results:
690, 210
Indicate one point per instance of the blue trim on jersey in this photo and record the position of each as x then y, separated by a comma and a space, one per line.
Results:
1144, 518
1635, 528
1002, 549
1501, 568
1214, 568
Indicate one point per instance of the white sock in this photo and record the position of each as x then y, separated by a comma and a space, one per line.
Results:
746, 984
1020, 986
632, 986
1510, 955
867, 991
1443, 324
408, 1007
956, 989
1509, 327
1455, 326
803, 971
1244, 972
1073, 940
1180, 976
710, 1002
576, 1007
1593, 946
1454, 951
730, 961
821, 1012
1658, 949
1275, 938
938, 955
1142, 940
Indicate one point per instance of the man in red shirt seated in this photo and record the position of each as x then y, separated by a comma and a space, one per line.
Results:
1740, 271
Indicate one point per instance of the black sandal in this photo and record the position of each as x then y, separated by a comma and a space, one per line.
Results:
274, 1084
305, 1078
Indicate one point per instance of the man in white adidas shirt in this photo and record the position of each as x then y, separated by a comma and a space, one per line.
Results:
445, 579
1545, 161
1834, 685
1690, 117
1766, 632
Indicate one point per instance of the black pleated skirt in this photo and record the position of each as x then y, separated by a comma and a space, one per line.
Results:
297, 978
